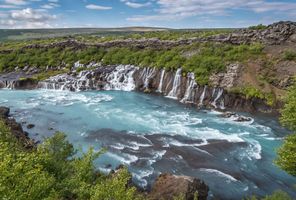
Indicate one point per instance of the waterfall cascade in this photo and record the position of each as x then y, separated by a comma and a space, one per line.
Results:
202, 97
146, 75
161, 81
190, 92
66, 82
176, 85
121, 78
219, 95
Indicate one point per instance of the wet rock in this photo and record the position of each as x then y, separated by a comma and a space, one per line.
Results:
168, 186
228, 114
4, 112
236, 117
16, 129
30, 126
243, 119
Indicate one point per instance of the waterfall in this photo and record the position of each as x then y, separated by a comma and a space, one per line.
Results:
177, 82
121, 79
219, 94
66, 82
161, 81
202, 97
147, 75
10, 84
191, 84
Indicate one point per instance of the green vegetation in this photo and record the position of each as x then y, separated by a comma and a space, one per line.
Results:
258, 27
287, 152
288, 117
289, 55
55, 171
204, 59
252, 92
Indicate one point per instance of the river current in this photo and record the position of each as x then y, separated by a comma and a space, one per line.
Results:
153, 134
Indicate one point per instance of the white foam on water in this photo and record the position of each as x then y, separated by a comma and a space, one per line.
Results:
210, 133
118, 146
253, 151
67, 98
219, 173
104, 170
3, 101
136, 146
141, 181
123, 158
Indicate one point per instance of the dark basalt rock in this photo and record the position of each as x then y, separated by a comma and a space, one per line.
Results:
4, 112
30, 126
168, 186
16, 129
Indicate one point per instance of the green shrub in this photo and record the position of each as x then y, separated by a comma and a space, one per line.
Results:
55, 171
258, 27
289, 55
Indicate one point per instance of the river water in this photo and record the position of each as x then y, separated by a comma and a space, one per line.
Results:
153, 134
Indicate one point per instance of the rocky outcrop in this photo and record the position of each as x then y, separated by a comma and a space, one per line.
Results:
168, 187
227, 79
274, 34
18, 80
16, 129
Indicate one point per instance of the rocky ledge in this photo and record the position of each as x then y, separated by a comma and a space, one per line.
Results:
168, 187
16, 129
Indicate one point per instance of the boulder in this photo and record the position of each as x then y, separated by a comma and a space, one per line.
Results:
30, 126
168, 186
4, 112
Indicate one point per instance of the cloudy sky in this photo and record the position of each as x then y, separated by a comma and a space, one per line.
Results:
160, 13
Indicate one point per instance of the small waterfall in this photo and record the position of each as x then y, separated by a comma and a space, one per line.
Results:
177, 82
147, 75
219, 94
202, 97
161, 81
121, 79
191, 84
66, 82
10, 84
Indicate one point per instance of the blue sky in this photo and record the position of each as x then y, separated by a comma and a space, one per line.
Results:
156, 13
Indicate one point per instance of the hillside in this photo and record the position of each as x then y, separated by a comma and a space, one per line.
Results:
257, 62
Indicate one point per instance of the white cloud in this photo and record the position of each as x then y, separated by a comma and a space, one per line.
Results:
27, 18
16, 2
134, 4
180, 9
50, 6
7, 6
97, 7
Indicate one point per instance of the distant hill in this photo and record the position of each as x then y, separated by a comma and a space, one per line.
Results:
20, 34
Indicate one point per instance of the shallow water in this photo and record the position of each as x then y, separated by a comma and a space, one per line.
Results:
153, 134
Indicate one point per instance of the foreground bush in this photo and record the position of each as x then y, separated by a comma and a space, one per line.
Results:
54, 171
287, 152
